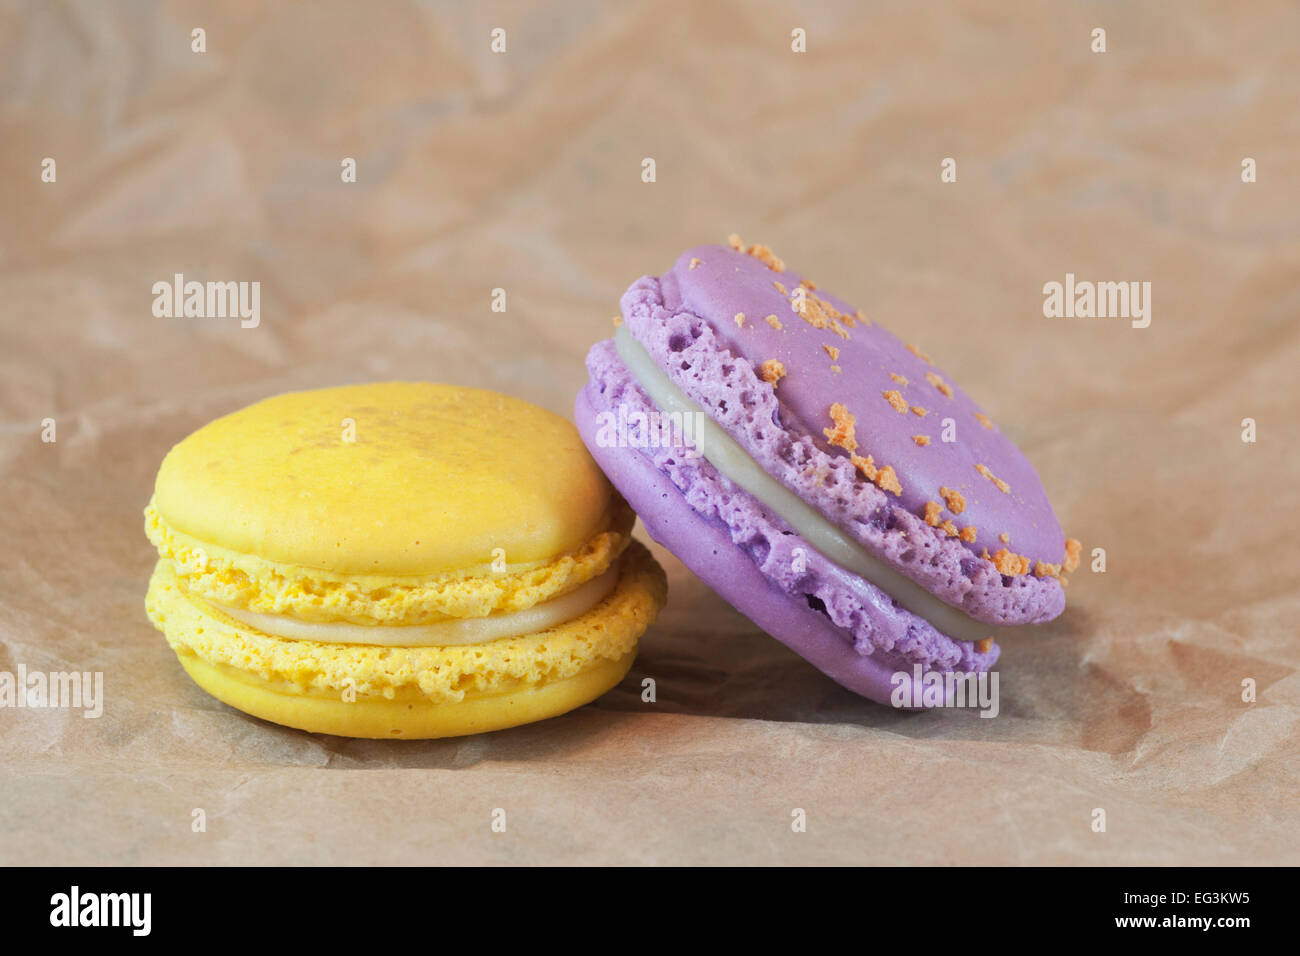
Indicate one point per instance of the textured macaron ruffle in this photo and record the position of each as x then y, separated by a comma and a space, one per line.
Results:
252, 583
609, 631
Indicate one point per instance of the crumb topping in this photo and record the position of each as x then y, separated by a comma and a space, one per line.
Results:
984, 420
865, 465
760, 252
818, 312
888, 481
895, 398
939, 383
842, 434
953, 499
808, 284
1002, 485
984, 645
694, 262
1072, 549
1004, 537
900, 379
949, 528
618, 320
919, 354
832, 351
773, 371
740, 319
931, 515
836, 369
968, 534
918, 410
921, 440
773, 321
766, 256
1010, 563
779, 287
1043, 569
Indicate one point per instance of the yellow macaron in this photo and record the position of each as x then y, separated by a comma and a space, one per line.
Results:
396, 560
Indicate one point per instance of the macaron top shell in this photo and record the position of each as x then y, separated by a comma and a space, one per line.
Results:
396, 478
824, 353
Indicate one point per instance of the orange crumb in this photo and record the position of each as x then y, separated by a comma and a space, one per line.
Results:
931, 515
779, 288
984, 645
832, 351
921, 440
1043, 569
918, 410
766, 256
865, 465
949, 529
968, 534
773, 321
618, 320
896, 400
857, 314
740, 319
1008, 562
818, 312
953, 499
806, 307
900, 379
736, 242
842, 434
694, 262
939, 383
1002, 485
836, 369
808, 284
773, 371
888, 481
984, 420
1072, 549
919, 354
1004, 537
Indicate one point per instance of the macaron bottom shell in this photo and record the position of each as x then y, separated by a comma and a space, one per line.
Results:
397, 692
408, 716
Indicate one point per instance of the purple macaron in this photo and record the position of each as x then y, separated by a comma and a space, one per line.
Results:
826, 479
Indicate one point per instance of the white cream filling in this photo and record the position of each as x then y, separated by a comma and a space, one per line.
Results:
736, 464
466, 630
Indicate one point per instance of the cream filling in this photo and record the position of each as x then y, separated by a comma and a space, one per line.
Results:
466, 630
725, 454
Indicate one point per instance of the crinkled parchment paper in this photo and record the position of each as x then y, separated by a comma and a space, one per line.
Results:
522, 171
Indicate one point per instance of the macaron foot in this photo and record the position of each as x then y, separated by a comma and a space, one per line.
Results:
408, 717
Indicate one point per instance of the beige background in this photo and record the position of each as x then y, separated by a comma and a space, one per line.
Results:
523, 171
